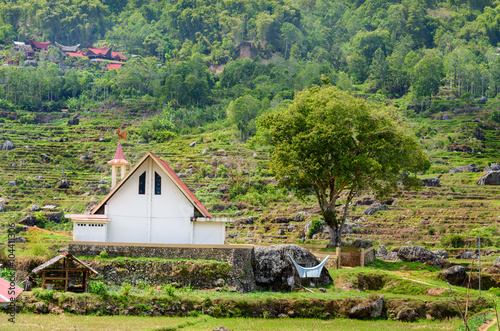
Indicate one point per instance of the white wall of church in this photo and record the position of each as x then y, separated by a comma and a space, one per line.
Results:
209, 233
149, 218
89, 232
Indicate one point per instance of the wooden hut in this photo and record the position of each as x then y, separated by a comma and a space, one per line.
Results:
65, 272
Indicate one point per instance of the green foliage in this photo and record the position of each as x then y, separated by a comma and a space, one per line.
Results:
45, 295
98, 287
495, 116
327, 136
453, 240
6, 273
168, 289
316, 225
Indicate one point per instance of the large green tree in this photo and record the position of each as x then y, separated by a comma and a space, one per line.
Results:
333, 145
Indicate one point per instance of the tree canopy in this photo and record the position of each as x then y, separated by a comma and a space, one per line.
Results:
333, 145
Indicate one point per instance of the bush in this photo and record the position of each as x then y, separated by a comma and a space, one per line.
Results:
316, 225
495, 116
98, 287
453, 240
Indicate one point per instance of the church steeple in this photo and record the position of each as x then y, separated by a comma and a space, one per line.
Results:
118, 161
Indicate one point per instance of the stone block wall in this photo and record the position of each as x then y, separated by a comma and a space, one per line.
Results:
239, 257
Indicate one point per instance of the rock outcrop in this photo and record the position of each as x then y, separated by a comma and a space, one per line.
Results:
416, 254
272, 266
490, 178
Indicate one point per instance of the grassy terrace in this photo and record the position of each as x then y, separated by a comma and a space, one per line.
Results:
67, 322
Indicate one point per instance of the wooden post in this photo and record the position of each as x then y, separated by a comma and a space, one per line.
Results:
338, 252
67, 275
362, 258
43, 279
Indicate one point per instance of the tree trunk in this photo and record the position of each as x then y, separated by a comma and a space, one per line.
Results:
335, 236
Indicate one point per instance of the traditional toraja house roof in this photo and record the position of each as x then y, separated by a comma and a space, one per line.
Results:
59, 257
114, 66
72, 49
73, 275
100, 48
76, 54
99, 209
4, 292
119, 159
38, 45
104, 53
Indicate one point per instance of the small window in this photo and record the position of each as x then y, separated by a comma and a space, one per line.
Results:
157, 184
142, 183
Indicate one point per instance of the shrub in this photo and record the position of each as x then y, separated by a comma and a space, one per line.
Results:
495, 116
453, 240
98, 287
316, 225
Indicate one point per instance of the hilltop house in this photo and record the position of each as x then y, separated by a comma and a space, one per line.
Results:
150, 204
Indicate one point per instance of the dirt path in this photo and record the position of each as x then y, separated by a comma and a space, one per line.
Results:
34, 228
487, 325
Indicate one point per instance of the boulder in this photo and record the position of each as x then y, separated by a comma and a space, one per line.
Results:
468, 255
416, 254
470, 168
392, 256
455, 275
407, 314
482, 100
308, 226
432, 182
13, 183
45, 157
362, 243
17, 239
63, 184
371, 310
380, 206
490, 178
29, 220
441, 254
35, 207
365, 201
300, 216
281, 232
477, 120
497, 262
193, 144
382, 251
272, 266
495, 167
370, 211
7, 146
445, 117
74, 121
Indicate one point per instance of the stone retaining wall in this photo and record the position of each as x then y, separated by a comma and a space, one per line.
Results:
240, 257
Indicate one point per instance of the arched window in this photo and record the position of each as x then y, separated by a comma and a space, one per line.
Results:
142, 183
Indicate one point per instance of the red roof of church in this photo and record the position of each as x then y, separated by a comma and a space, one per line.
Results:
4, 291
182, 186
36, 44
115, 66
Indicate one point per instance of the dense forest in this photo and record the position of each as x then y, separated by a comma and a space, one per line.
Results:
199, 61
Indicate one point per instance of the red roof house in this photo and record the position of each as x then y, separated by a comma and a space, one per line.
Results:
37, 46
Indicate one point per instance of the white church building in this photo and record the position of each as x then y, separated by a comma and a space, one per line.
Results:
150, 204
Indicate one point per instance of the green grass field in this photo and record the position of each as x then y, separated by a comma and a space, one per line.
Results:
123, 323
